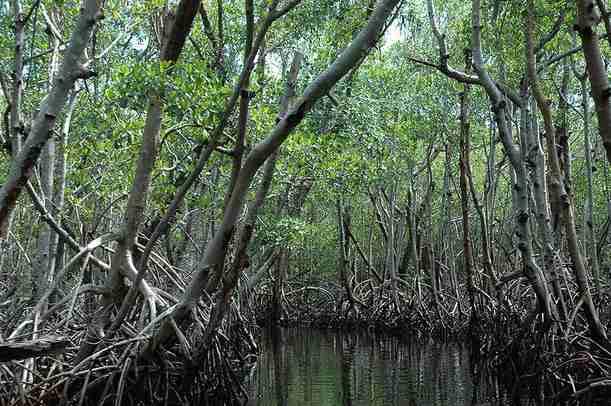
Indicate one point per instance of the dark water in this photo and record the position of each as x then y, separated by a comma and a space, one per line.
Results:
300, 367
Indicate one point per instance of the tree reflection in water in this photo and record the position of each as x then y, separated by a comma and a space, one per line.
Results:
302, 367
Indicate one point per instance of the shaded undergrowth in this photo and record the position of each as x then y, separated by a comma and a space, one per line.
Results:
555, 363
538, 361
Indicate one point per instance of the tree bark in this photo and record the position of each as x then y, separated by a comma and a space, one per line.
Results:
558, 187
216, 250
41, 267
587, 20
551, 257
592, 246
516, 157
179, 26
465, 170
343, 223
50, 108
57, 244
16, 126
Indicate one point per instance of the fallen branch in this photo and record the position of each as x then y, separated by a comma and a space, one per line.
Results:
15, 351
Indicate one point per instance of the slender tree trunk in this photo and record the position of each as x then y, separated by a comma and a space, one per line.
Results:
604, 14
42, 261
590, 232
57, 244
428, 253
50, 108
413, 227
178, 27
177, 30
344, 221
241, 260
558, 188
245, 96
239, 263
587, 20
282, 265
391, 251
485, 238
489, 197
445, 246
43, 258
552, 260
465, 169
216, 250
16, 125
516, 157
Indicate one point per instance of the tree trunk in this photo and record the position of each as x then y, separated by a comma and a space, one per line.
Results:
281, 268
16, 127
428, 254
344, 221
516, 157
41, 267
465, 170
551, 258
50, 108
587, 20
558, 188
57, 245
216, 250
178, 27
592, 247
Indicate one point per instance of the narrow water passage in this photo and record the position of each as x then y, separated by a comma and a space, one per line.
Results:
301, 367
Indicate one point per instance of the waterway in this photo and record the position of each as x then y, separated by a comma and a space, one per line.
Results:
303, 367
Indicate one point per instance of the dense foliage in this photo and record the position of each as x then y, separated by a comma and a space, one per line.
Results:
215, 164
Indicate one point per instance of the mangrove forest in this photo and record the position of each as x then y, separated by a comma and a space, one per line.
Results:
305, 202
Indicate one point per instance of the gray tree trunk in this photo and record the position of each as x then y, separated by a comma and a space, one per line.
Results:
216, 250
558, 188
71, 69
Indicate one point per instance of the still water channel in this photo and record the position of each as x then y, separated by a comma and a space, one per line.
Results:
302, 367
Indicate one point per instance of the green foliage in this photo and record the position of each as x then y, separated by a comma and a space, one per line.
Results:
379, 126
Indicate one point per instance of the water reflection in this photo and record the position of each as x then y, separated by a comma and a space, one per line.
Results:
300, 367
